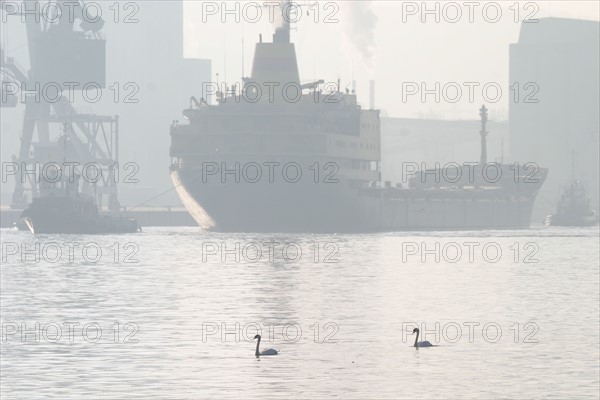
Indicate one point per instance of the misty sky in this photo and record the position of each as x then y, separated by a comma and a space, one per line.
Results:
371, 41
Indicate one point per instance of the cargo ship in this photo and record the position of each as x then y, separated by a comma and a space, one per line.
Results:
277, 155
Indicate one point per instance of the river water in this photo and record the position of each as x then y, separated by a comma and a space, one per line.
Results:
172, 313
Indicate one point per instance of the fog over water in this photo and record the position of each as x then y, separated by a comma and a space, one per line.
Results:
299, 199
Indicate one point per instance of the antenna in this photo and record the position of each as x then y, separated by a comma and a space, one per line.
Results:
66, 137
372, 94
66, 134
243, 69
353, 79
224, 62
572, 164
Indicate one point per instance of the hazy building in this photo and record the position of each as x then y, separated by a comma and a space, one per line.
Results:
149, 54
560, 56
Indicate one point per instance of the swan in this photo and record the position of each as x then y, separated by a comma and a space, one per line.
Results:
420, 344
267, 352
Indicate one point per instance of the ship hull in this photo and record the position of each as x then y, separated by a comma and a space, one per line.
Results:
277, 207
438, 210
100, 225
337, 208
59, 216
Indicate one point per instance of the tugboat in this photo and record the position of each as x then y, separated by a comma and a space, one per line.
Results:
72, 213
61, 208
79, 215
573, 208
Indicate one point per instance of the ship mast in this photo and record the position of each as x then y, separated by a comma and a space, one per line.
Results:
483, 112
572, 165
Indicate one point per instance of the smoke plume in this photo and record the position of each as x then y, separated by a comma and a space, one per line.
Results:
360, 22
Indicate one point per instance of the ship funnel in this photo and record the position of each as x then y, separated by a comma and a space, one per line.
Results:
276, 62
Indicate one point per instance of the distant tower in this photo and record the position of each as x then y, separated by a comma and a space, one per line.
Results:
483, 112
561, 56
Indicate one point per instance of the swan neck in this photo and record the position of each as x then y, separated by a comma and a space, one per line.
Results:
416, 338
257, 353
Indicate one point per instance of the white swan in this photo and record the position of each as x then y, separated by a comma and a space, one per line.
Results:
267, 352
420, 344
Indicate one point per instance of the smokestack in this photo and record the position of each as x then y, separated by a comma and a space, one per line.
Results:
372, 94
353, 87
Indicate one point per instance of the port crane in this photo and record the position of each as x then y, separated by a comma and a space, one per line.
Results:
65, 46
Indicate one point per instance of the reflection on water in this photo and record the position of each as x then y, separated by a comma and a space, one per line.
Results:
177, 314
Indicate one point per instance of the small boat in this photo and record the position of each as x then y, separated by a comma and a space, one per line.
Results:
573, 208
77, 215
61, 209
